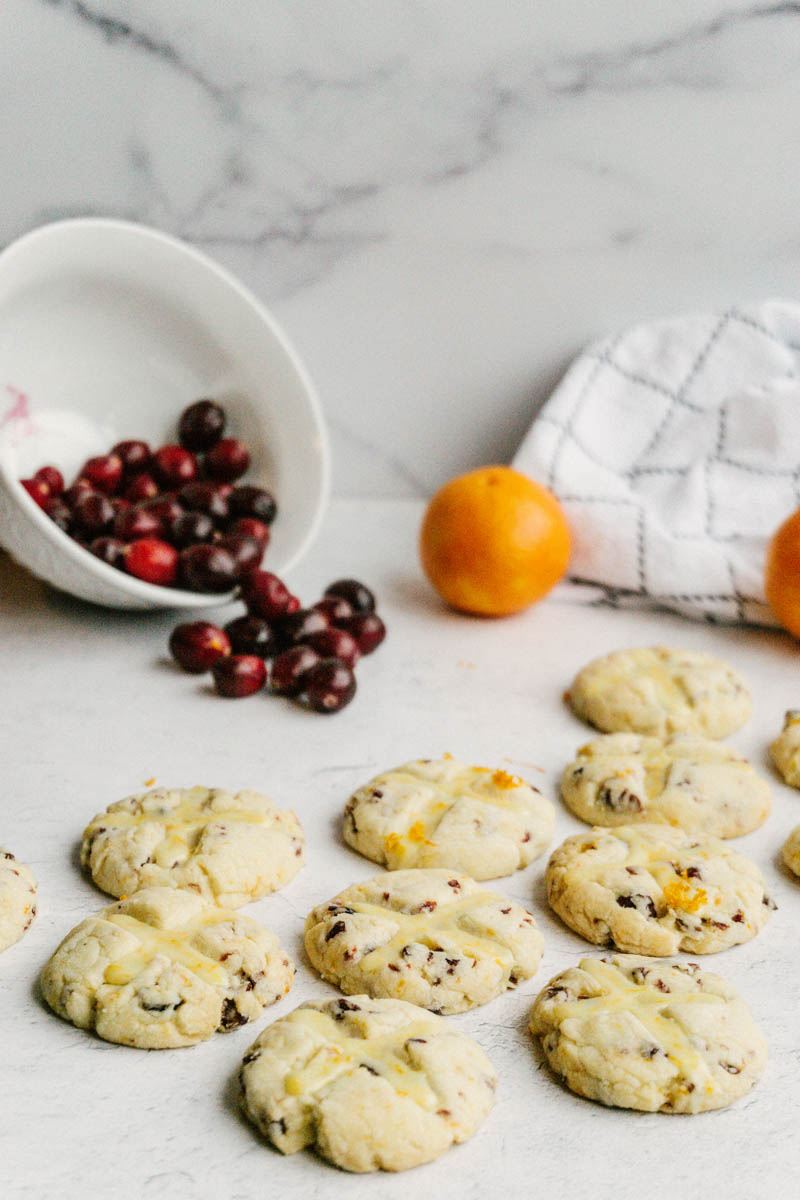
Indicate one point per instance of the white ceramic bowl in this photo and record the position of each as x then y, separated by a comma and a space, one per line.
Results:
107, 331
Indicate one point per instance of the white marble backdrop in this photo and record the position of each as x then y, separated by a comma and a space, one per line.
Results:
441, 201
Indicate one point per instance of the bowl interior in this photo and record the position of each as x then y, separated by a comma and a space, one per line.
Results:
109, 330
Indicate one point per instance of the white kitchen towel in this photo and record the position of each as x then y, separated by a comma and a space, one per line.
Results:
674, 448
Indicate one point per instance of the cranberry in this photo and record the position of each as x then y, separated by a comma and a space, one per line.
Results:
357, 595
166, 508
228, 460
141, 487
137, 523
39, 492
265, 595
329, 686
109, 550
207, 568
335, 608
135, 456
190, 528
52, 478
246, 552
152, 560
201, 425
79, 489
58, 512
198, 645
239, 675
299, 626
103, 472
367, 629
290, 669
250, 501
174, 466
252, 635
210, 498
335, 643
120, 504
94, 515
250, 527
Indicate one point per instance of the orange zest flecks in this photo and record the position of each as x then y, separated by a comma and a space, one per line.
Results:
679, 894
149, 782
503, 779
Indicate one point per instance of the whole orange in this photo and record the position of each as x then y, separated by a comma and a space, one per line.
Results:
782, 574
493, 541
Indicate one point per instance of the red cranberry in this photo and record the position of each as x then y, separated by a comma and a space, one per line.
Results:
94, 515
357, 595
198, 645
79, 489
250, 501
207, 568
210, 498
228, 460
299, 626
166, 508
103, 472
250, 527
335, 643
190, 529
367, 629
335, 608
173, 466
137, 523
58, 512
239, 675
246, 551
265, 595
152, 560
109, 550
201, 425
289, 670
135, 456
252, 635
52, 477
141, 487
329, 686
39, 492
120, 504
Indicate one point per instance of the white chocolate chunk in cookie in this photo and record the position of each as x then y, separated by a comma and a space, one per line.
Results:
785, 749
660, 1037
228, 847
652, 889
689, 781
372, 1084
660, 692
431, 937
164, 969
443, 813
17, 898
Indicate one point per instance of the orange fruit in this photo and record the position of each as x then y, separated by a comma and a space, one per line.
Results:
782, 574
492, 541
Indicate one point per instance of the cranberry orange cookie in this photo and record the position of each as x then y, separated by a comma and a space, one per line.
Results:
660, 1037
229, 848
444, 814
791, 851
372, 1084
688, 781
165, 969
431, 937
659, 691
785, 750
652, 889
17, 898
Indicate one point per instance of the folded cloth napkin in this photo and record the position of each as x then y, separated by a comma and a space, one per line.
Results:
674, 448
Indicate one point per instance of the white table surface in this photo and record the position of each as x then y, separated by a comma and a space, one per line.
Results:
91, 710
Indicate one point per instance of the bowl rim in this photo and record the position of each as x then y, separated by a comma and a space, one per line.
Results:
157, 595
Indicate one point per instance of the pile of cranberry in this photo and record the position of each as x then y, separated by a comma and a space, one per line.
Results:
170, 516
313, 651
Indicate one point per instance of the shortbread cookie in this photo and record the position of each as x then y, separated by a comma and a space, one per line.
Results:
661, 1037
431, 937
660, 692
652, 889
701, 786
791, 851
165, 969
441, 813
785, 749
17, 898
372, 1084
229, 848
